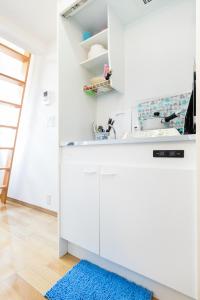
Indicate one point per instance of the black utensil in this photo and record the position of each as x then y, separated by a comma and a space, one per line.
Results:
110, 124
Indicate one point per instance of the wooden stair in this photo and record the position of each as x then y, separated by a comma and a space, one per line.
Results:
13, 53
8, 126
10, 103
3, 187
11, 79
25, 61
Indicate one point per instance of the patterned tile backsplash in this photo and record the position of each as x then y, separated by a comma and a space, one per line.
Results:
166, 106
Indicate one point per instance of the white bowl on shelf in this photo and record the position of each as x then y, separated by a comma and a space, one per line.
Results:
96, 50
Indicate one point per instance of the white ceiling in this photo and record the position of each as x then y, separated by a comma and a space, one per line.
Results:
36, 17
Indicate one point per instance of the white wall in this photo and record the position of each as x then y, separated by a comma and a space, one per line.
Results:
20, 36
35, 169
159, 57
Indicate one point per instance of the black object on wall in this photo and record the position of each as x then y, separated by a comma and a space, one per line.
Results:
190, 118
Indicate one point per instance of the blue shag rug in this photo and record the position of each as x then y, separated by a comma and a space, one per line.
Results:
87, 281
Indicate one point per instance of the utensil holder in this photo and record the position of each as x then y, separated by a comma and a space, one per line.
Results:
99, 136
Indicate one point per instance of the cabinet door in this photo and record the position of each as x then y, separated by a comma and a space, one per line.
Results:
80, 205
147, 223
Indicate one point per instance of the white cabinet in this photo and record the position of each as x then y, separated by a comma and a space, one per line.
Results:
142, 218
147, 223
80, 205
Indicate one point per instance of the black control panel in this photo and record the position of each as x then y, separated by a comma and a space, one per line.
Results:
168, 153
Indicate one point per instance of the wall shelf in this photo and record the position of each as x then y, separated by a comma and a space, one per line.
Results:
99, 38
96, 64
107, 30
99, 88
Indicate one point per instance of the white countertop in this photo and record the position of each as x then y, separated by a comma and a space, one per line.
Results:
128, 141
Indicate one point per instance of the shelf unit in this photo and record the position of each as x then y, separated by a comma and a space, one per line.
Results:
99, 38
114, 55
95, 65
108, 31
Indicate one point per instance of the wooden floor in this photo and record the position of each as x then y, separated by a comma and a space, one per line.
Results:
29, 263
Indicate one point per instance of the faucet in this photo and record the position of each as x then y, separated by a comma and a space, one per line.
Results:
113, 128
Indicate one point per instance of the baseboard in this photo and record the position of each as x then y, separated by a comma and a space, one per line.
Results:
44, 210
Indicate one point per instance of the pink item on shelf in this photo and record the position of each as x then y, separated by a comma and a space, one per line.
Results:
106, 70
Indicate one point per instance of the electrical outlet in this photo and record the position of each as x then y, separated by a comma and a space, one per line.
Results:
51, 121
48, 200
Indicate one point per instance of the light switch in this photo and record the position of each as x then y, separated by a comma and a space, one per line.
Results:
51, 122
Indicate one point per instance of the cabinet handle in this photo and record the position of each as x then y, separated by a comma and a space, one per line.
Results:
90, 172
108, 174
